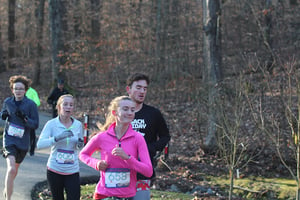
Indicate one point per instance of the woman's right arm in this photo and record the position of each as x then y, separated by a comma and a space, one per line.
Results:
86, 153
45, 139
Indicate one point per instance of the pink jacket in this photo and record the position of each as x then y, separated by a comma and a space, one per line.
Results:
119, 179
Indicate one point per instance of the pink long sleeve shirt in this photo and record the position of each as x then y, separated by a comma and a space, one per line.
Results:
119, 179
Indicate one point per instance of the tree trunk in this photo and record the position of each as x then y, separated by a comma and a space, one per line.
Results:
95, 19
212, 63
298, 147
27, 32
231, 176
268, 30
158, 34
40, 5
57, 14
11, 33
77, 19
2, 64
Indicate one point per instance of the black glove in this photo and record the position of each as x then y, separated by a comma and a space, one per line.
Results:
63, 135
4, 114
80, 143
21, 115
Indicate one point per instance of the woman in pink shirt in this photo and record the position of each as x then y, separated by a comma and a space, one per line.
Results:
123, 152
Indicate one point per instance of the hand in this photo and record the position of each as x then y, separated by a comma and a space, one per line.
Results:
80, 143
63, 135
118, 151
21, 115
102, 165
4, 114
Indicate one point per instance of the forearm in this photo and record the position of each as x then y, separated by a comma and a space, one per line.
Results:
45, 143
86, 153
88, 160
161, 142
142, 166
32, 123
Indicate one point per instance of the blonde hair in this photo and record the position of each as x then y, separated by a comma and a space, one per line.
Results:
61, 99
110, 118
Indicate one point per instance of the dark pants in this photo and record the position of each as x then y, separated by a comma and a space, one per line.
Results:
54, 111
32, 142
58, 183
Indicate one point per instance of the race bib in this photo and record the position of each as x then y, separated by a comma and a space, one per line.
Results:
15, 130
117, 178
65, 156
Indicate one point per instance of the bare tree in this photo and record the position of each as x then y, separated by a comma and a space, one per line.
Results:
236, 149
77, 19
265, 31
158, 32
286, 94
39, 14
212, 62
58, 27
95, 19
11, 32
2, 64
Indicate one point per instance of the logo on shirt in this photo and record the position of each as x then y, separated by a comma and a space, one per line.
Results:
138, 124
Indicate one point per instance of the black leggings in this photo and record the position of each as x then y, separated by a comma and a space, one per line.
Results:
32, 141
58, 182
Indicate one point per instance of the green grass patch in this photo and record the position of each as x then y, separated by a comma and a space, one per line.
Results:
156, 195
88, 190
249, 188
259, 187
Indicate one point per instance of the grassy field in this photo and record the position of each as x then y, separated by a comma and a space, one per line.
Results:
87, 190
259, 187
246, 188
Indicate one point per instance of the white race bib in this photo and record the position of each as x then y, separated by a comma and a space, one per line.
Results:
117, 177
65, 156
15, 130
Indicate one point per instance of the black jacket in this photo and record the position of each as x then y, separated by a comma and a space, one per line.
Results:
55, 94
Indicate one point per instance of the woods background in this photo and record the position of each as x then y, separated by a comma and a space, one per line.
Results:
94, 45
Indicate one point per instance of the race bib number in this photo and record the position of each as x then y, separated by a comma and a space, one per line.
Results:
15, 130
65, 157
117, 178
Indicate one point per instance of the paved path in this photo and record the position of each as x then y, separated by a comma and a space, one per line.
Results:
33, 169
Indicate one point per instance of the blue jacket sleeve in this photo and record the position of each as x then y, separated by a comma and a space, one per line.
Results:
33, 117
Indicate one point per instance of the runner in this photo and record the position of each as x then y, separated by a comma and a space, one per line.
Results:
21, 115
64, 134
150, 123
123, 152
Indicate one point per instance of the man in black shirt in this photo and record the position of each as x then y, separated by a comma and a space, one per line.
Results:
150, 123
55, 94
